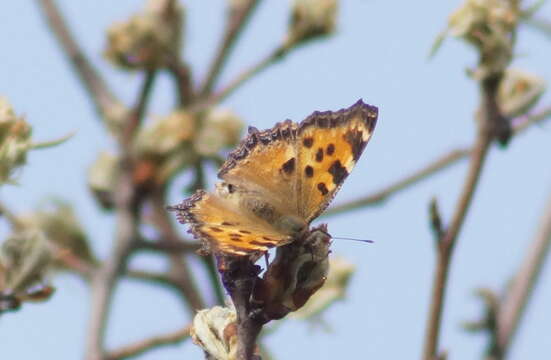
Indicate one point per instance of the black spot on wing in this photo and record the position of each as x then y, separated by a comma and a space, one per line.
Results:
288, 166
308, 142
322, 188
309, 171
330, 149
319, 155
338, 171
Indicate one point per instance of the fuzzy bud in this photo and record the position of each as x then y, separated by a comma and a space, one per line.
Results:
149, 39
215, 331
221, 129
62, 229
15, 141
26, 257
519, 91
166, 134
311, 19
102, 177
488, 25
333, 290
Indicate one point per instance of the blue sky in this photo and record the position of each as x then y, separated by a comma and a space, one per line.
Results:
425, 109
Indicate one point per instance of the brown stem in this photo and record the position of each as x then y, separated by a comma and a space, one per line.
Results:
246, 75
98, 90
182, 77
143, 346
518, 295
127, 205
239, 276
380, 196
237, 18
489, 127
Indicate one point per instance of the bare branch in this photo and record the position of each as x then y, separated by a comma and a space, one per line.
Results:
490, 127
518, 295
273, 57
101, 95
237, 18
380, 196
143, 346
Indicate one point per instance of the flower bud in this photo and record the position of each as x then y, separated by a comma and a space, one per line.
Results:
518, 92
15, 141
488, 25
166, 135
149, 39
62, 229
102, 178
215, 331
26, 257
311, 19
221, 129
333, 290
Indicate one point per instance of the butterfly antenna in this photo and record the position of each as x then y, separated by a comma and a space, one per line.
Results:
353, 239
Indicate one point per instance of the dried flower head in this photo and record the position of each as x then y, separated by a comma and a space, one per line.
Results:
297, 272
221, 129
489, 26
519, 91
215, 331
333, 290
15, 141
311, 19
149, 39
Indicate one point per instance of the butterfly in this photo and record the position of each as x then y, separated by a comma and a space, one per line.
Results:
277, 181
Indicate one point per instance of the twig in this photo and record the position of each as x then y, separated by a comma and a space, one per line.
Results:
138, 111
489, 128
100, 94
379, 196
182, 77
246, 75
237, 18
128, 204
518, 295
143, 346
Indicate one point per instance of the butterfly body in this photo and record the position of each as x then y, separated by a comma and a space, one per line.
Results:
277, 181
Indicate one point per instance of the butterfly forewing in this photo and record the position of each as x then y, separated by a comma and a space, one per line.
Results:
330, 145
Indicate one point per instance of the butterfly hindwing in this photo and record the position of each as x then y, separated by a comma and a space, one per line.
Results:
224, 227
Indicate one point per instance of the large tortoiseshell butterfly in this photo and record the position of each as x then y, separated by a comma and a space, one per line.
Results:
277, 181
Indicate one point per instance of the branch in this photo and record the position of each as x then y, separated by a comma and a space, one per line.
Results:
128, 204
490, 127
237, 18
273, 57
382, 195
518, 295
101, 95
143, 346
